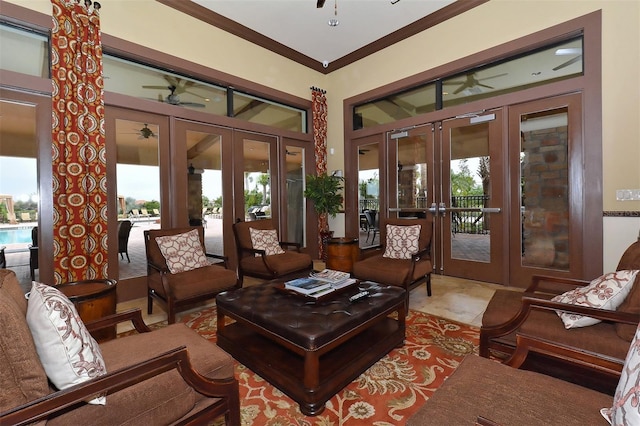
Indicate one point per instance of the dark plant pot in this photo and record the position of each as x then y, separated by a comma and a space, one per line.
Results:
325, 236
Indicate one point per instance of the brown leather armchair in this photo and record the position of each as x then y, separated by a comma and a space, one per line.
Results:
405, 273
533, 313
176, 292
256, 263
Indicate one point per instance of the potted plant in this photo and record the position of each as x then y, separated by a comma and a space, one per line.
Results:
324, 191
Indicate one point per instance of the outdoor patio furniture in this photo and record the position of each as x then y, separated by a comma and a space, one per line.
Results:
3, 259
124, 229
25, 217
33, 253
372, 224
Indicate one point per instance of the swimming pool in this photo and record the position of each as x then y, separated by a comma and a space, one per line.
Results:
15, 236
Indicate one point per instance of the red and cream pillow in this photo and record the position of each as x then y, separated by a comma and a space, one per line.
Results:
605, 292
182, 252
265, 239
66, 350
402, 241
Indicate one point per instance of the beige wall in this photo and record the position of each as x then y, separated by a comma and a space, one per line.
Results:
156, 26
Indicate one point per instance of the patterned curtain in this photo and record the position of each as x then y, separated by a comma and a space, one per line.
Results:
319, 119
79, 161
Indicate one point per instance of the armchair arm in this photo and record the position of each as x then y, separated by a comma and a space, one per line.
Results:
177, 359
569, 283
133, 315
284, 244
529, 303
158, 268
370, 251
422, 254
224, 259
527, 344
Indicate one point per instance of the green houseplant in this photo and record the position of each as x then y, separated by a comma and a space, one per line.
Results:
324, 191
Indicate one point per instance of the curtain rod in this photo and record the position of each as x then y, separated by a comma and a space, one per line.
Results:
318, 90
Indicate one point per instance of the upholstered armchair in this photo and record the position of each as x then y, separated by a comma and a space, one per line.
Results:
535, 313
262, 255
178, 273
403, 258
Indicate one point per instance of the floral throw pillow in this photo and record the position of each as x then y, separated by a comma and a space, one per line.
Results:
605, 292
625, 409
267, 240
67, 351
402, 241
182, 252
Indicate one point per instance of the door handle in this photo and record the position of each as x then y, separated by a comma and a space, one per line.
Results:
491, 210
443, 209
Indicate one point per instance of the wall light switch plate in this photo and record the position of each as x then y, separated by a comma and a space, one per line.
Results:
623, 194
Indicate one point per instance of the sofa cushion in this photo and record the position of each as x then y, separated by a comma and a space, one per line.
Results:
605, 292
389, 271
288, 262
267, 240
182, 252
194, 283
508, 396
401, 241
599, 338
625, 409
162, 399
22, 377
67, 351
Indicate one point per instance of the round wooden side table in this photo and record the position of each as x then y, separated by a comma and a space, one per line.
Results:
93, 300
342, 253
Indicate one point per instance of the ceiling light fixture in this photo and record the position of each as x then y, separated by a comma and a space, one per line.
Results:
333, 22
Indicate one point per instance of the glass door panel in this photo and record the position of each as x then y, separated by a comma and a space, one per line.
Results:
204, 186
369, 193
471, 203
257, 179
294, 184
138, 190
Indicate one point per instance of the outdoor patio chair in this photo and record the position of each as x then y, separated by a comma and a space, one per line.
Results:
25, 217
144, 212
124, 229
372, 224
403, 260
263, 255
33, 253
178, 273
3, 259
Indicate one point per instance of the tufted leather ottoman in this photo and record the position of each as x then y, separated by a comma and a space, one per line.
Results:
308, 350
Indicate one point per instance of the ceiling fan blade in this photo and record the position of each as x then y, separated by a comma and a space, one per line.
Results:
484, 85
569, 62
493, 76
320, 3
460, 89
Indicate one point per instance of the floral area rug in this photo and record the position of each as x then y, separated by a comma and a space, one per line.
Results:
388, 393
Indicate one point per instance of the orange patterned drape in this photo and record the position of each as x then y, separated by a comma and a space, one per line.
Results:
79, 160
319, 120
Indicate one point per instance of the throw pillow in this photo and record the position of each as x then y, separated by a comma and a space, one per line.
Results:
267, 240
402, 241
605, 292
182, 252
625, 409
67, 351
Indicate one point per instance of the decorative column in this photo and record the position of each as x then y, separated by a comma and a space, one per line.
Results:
78, 144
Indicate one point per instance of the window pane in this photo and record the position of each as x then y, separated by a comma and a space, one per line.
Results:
24, 51
412, 172
138, 183
396, 107
256, 110
545, 189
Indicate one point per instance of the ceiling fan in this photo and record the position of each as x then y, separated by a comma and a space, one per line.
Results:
471, 81
363, 151
292, 153
569, 51
176, 87
146, 132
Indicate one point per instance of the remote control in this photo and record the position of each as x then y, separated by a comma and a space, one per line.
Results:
359, 296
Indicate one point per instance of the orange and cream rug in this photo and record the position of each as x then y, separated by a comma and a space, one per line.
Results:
386, 394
